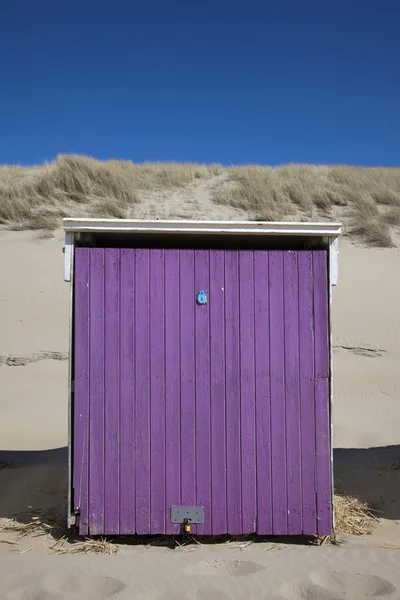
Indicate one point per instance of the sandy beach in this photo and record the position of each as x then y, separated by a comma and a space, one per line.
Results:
33, 454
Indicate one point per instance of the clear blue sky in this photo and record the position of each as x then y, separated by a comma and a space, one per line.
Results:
253, 81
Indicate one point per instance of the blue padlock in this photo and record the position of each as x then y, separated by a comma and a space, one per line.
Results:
201, 297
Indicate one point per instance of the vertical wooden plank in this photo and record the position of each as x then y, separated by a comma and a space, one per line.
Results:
217, 359
202, 353
233, 423
278, 420
111, 390
142, 391
81, 391
157, 392
247, 389
321, 317
96, 398
127, 394
292, 388
172, 387
321, 333
188, 401
307, 401
263, 396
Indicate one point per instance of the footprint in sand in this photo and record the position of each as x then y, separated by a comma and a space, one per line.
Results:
329, 585
61, 587
234, 568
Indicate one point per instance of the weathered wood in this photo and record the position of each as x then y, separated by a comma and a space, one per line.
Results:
292, 392
247, 391
321, 333
203, 412
142, 391
127, 393
81, 392
217, 390
96, 393
278, 408
188, 378
172, 388
233, 419
263, 393
307, 396
157, 392
223, 404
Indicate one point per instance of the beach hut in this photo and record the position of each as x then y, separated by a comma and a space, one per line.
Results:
200, 376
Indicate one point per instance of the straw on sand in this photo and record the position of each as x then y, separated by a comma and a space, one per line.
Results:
353, 515
36, 522
52, 522
89, 546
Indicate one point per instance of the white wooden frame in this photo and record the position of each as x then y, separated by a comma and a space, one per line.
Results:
328, 231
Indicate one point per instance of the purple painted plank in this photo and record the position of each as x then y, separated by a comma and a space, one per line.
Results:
278, 421
202, 352
292, 388
188, 416
233, 440
172, 387
263, 396
217, 358
111, 388
216, 402
157, 370
127, 391
96, 397
307, 402
81, 390
321, 313
323, 467
247, 390
142, 391
324, 500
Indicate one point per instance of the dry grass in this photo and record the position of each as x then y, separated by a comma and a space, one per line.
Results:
37, 522
308, 192
89, 546
353, 516
52, 522
392, 216
39, 197
369, 224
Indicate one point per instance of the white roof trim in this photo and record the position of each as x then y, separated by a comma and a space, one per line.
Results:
331, 230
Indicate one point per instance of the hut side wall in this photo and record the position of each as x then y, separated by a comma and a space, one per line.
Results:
224, 405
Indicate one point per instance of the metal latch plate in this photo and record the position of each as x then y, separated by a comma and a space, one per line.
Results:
187, 514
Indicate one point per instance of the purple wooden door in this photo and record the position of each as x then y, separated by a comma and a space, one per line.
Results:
223, 405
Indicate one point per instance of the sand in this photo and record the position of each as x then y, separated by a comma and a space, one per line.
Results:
207, 575
33, 456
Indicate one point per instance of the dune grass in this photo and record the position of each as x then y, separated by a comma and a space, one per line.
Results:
38, 198
366, 199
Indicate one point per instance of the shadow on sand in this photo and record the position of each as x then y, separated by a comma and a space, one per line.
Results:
373, 474
35, 479
38, 479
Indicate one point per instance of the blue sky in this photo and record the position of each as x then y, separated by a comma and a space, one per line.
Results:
213, 81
